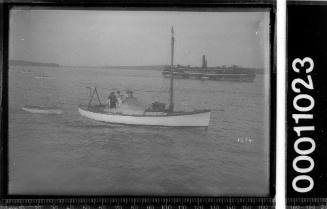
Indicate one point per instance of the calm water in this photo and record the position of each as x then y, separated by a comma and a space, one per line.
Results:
69, 154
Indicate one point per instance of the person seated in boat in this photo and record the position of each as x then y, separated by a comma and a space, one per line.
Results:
124, 96
112, 100
119, 98
132, 106
129, 94
107, 104
156, 107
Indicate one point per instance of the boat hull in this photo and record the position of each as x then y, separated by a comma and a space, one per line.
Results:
183, 119
217, 75
41, 110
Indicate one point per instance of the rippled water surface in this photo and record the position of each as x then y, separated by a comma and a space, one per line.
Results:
69, 154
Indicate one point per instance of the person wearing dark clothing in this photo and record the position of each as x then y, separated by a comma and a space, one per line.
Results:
113, 100
129, 93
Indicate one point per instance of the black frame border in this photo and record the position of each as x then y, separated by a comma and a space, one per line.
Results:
179, 5
292, 198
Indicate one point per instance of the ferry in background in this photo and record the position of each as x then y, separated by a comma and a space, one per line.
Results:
232, 73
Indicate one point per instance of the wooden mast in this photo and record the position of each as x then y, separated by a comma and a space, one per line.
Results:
171, 92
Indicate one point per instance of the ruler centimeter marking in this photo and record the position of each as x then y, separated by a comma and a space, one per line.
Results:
162, 203
141, 203
141, 207
144, 201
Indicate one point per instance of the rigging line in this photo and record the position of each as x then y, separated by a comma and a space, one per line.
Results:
113, 89
160, 91
95, 89
90, 91
134, 90
90, 101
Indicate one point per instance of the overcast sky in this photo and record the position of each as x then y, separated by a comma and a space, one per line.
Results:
97, 38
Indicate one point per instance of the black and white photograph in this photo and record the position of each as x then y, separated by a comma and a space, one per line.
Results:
121, 101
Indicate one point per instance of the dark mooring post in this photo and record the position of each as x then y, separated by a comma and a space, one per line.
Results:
171, 102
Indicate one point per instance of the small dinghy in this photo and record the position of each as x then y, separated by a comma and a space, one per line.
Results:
41, 110
26, 71
43, 77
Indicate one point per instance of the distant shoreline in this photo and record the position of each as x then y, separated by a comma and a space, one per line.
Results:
28, 63
145, 67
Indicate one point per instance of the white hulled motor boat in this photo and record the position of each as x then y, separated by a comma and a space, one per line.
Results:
132, 114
